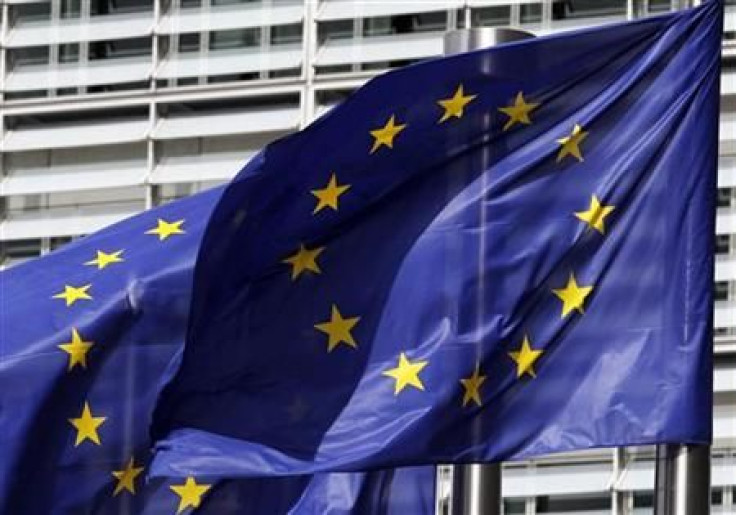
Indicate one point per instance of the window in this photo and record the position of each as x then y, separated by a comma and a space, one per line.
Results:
532, 13
29, 56
70, 8
189, 42
58, 242
286, 34
15, 252
377, 26
588, 8
231, 2
332, 97
429, 22
574, 503
340, 29
643, 499
69, 52
491, 16
514, 506
120, 6
23, 13
721, 290
405, 24
726, 197
658, 6
120, 48
723, 244
240, 38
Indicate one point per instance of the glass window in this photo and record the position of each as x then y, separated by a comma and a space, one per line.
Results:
25, 95
531, 13
340, 29
723, 243
514, 506
119, 6
235, 77
725, 197
282, 74
377, 26
643, 499
721, 290
231, 2
491, 16
428, 22
55, 243
120, 48
189, 42
405, 24
240, 38
15, 252
68, 52
590, 8
658, 6
574, 503
339, 68
70, 8
170, 192
29, 55
286, 34
30, 12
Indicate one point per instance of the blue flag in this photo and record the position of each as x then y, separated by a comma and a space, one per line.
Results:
490, 256
88, 337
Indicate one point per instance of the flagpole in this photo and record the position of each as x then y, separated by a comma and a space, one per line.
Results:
682, 484
682, 478
476, 488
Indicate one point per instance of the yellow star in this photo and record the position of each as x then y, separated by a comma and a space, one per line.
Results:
304, 259
77, 350
165, 229
190, 494
72, 294
386, 134
571, 144
338, 329
472, 386
329, 196
525, 358
454, 106
87, 426
126, 478
407, 373
572, 296
519, 112
596, 214
103, 259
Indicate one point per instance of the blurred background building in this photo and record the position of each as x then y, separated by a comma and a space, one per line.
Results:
110, 107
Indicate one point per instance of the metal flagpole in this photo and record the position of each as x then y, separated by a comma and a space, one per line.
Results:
476, 489
682, 480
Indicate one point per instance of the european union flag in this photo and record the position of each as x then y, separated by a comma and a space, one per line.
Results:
484, 257
88, 337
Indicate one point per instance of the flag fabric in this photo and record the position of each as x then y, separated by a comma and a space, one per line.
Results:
88, 337
489, 256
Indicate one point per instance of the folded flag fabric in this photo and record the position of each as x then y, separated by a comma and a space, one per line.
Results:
484, 257
88, 337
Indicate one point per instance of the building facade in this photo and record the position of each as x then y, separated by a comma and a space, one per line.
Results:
110, 107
